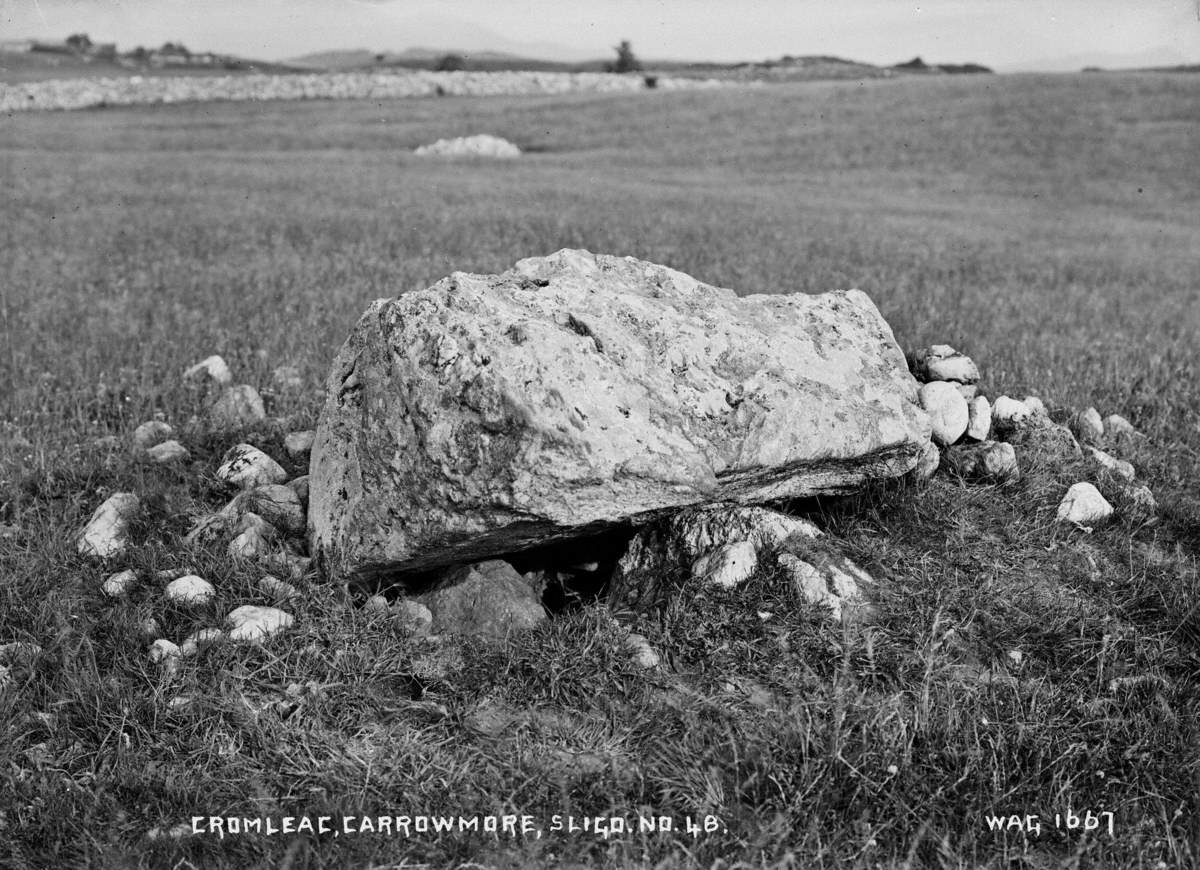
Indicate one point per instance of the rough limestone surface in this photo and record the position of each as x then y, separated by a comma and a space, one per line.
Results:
488, 600
107, 532
577, 392
947, 410
1084, 505
279, 505
727, 566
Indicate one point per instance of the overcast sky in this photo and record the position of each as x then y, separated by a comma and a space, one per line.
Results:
1006, 34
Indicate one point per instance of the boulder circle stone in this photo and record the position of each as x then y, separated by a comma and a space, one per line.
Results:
492, 413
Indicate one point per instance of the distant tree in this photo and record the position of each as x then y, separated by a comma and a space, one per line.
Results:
175, 48
80, 42
451, 63
140, 54
626, 62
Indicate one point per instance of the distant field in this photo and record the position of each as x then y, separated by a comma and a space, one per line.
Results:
1045, 225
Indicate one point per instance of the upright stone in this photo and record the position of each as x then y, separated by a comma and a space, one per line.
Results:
492, 413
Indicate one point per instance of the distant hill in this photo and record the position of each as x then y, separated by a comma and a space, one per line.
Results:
39, 60
916, 65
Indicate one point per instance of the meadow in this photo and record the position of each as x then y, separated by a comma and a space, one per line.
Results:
1045, 225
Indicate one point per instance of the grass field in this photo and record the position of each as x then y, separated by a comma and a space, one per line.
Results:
1047, 226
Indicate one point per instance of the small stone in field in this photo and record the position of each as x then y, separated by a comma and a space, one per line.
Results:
180, 704
19, 652
927, 462
214, 368
245, 466
190, 589
1087, 426
298, 444
728, 566
198, 640
162, 649
278, 505
947, 410
107, 533
167, 451
1116, 426
990, 461
375, 604
1037, 408
150, 433
119, 584
967, 391
1083, 504
941, 362
274, 588
1142, 504
1009, 414
979, 418
149, 628
252, 538
835, 587
293, 566
1108, 462
287, 378
252, 623
208, 529
300, 486
481, 145
415, 615
642, 653
238, 407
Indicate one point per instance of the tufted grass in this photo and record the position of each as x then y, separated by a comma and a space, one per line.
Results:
1045, 225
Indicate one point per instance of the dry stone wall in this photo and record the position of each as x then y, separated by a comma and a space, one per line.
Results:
140, 90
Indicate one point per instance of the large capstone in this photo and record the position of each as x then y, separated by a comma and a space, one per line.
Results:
488, 414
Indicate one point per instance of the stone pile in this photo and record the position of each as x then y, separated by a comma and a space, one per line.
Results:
139, 90
482, 145
979, 441
263, 521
